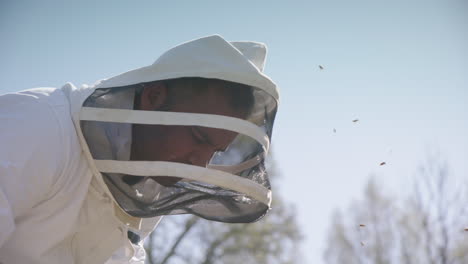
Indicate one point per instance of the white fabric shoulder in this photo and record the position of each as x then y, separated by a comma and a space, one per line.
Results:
42, 183
31, 157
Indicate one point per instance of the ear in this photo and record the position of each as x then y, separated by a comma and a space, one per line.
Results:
153, 96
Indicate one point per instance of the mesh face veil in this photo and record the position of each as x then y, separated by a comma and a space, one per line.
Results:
229, 184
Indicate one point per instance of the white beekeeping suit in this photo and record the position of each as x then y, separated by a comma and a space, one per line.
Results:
65, 153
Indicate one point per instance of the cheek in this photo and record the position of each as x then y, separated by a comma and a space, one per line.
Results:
175, 144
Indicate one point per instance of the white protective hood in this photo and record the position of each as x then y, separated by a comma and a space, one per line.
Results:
107, 146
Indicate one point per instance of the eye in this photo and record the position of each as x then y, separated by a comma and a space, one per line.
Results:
198, 136
202, 138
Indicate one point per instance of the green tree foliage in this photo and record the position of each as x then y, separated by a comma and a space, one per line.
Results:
426, 226
188, 239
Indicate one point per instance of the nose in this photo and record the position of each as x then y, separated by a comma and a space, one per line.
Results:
201, 156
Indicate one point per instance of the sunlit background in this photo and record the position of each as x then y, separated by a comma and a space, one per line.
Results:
362, 82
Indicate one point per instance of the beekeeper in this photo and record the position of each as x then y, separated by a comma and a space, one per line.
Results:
86, 173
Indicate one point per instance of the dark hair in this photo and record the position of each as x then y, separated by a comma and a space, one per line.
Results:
240, 95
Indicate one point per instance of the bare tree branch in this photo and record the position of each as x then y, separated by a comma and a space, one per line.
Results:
149, 250
428, 224
188, 226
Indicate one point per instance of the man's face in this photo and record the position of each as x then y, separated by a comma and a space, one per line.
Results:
192, 145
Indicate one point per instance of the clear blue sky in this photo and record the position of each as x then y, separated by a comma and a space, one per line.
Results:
400, 67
